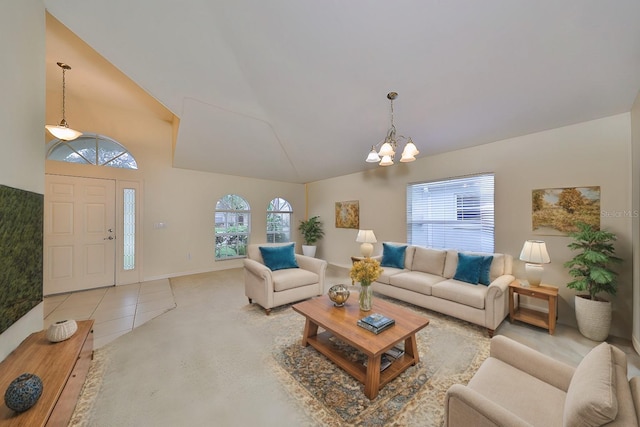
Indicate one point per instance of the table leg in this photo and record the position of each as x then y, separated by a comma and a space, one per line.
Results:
310, 330
552, 314
372, 380
411, 348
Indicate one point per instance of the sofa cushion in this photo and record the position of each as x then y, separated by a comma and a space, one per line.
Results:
460, 292
290, 278
393, 255
485, 270
429, 260
468, 269
535, 402
416, 281
279, 257
591, 397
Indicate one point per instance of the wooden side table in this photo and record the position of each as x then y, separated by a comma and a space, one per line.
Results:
534, 317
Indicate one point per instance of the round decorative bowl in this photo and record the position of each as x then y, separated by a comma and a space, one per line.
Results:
339, 294
61, 330
23, 392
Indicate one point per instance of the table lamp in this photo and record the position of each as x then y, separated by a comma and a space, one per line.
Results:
534, 253
366, 237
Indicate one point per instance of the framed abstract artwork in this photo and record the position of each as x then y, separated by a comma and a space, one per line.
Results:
556, 210
348, 214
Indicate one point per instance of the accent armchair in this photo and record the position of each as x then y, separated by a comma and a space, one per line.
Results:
518, 386
283, 283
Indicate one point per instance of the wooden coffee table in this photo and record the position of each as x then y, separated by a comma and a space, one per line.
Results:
341, 323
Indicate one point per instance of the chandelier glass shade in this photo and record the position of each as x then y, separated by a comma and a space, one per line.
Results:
385, 155
62, 130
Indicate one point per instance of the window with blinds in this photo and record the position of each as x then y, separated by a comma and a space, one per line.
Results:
455, 213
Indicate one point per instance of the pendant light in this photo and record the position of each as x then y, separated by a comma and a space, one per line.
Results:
389, 145
62, 130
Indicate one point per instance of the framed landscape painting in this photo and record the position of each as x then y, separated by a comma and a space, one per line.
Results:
348, 214
556, 210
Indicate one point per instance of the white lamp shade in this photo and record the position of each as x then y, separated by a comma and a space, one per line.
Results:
386, 161
373, 156
535, 251
386, 150
366, 236
410, 150
406, 158
64, 133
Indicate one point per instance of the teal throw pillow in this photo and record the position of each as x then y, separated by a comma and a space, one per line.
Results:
393, 255
279, 257
469, 267
485, 278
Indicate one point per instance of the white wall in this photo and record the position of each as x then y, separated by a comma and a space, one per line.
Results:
586, 154
22, 121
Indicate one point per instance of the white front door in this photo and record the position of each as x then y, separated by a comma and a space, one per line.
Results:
79, 233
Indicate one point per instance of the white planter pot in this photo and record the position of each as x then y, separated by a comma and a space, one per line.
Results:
594, 318
309, 250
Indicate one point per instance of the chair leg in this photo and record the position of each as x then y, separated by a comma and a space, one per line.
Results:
490, 332
250, 301
267, 310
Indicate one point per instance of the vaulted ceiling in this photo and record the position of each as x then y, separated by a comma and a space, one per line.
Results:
295, 90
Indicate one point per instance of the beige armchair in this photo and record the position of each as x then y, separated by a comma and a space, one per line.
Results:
275, 288
518, 386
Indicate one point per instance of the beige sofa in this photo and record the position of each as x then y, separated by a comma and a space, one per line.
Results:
275, 288
427, 280
518, 386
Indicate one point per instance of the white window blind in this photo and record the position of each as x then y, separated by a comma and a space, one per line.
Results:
455, 213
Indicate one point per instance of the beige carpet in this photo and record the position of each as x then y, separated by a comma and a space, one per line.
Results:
216, 360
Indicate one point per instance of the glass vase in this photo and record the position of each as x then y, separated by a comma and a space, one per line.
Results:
366, 296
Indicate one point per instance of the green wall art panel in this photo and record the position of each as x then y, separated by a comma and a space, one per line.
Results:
21, 219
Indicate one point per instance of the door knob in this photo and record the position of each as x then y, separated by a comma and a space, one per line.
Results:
108, 238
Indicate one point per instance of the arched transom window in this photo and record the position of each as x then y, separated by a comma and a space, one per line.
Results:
92, 149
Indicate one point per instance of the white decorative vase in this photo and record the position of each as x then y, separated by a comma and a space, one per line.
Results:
594, 318
61, 330
309, 250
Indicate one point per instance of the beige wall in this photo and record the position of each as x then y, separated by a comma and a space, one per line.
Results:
183, 200
585, 154
635, 197
21, 121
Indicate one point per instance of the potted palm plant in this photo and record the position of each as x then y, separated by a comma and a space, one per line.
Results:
311, 231
592, 273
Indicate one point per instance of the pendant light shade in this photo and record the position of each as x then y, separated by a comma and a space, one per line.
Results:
62, 130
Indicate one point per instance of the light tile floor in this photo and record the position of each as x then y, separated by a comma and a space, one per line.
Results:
115, 310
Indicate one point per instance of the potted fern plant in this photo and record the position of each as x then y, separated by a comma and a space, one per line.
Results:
311, 231
592, 272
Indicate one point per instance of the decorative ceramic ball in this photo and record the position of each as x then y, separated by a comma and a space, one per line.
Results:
62, 330
339, 294
23, 392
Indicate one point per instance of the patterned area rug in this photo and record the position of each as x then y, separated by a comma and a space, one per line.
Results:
451, 351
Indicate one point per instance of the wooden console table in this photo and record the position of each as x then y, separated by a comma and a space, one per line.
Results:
534, 317
61, 366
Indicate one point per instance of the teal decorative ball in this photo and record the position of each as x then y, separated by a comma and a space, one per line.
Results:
23, 392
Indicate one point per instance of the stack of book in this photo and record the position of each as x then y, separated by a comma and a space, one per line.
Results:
376, 323
389, 357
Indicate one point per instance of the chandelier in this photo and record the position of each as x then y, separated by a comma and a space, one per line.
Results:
390, 144
62, 130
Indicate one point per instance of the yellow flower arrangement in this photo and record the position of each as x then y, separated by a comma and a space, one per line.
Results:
366, 271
